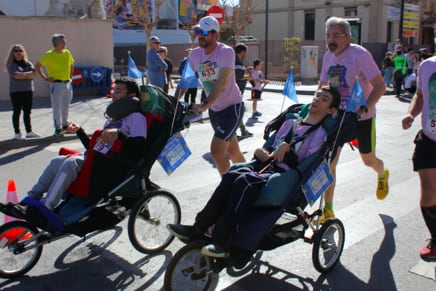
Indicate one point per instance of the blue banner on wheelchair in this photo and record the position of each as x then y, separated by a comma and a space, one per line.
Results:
174, 153
318, 182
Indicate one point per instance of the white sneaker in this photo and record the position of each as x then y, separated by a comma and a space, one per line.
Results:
32, 134
18, 136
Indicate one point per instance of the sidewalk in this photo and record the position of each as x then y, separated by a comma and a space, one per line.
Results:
88, 111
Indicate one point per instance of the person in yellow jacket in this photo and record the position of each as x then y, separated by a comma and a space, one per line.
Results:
59, 64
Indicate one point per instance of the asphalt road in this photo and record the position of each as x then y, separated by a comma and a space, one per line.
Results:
382, 237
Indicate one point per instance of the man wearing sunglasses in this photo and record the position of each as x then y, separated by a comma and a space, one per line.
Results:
156, 66
215, 64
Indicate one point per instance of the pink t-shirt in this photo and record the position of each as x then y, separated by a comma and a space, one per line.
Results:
427, 84
257, 76
341, 72
208, 69
310, 144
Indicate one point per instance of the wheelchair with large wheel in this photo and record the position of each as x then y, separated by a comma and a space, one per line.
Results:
283, 201
148, 209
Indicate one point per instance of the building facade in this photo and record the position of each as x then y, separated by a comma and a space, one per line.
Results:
375, 23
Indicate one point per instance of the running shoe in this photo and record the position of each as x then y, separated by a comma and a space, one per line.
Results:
428, 251
31, 134
18, 136
383, 186
326, 214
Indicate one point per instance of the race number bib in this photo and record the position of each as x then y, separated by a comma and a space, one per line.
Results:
208, 74
102, 147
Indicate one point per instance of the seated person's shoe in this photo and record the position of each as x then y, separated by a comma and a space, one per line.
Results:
326, 214
214, 251
185, 232
428, 251
239, 257
14, 209
383, 186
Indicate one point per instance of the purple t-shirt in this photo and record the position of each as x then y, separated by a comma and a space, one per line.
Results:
132, 125
341, 72
208, 69
311, 143
427, 84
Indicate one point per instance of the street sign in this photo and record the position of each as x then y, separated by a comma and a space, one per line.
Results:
217, 12
77, 77
97, 74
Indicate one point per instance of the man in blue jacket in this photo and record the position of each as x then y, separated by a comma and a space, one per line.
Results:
156, 65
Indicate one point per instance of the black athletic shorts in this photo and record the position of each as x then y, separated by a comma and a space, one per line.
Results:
424, 156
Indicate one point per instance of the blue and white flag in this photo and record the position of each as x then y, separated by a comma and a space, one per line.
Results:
133, 71
357, 99
188, 78
289, 89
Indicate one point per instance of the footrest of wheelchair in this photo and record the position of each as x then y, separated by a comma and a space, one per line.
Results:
51, 217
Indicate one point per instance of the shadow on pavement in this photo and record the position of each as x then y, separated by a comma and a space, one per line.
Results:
104, 269
338, 279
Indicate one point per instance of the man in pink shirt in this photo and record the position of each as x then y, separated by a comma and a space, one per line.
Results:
343, 63
424, 158
215, 64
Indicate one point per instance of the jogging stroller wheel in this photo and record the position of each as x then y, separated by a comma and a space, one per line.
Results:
328, 245
19, 252
148, 219
190, 270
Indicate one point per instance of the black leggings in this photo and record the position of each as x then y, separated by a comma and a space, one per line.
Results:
21, 101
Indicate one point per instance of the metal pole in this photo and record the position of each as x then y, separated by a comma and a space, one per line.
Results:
400, 36
266, 37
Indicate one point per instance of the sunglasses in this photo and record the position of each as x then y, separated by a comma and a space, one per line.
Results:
160, 51
203, 32
18, 51
155, 42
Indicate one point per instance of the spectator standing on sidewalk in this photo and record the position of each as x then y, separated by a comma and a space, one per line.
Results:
163, 53
241, 79
191, 93
59, 64
256, 91
21, 73
156, 66
342, 64
215, 64
388, 68
400, 68
424, 158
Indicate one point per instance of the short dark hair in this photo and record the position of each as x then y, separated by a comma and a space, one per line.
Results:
336, 101
240, 47
131, 85
56, 37
256, 63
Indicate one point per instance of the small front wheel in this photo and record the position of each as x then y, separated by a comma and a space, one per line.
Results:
190, 270
328, 245
19, 250
148, 219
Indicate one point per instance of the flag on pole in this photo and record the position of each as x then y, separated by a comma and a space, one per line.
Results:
357, 99
289, 89
133, 71
188, 78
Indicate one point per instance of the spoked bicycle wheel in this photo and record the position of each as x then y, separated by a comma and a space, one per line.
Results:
328, 245
190, 270
18, 251
148, 219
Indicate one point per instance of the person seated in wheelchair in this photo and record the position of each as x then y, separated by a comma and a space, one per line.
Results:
107, 154
231, 210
